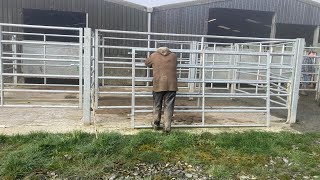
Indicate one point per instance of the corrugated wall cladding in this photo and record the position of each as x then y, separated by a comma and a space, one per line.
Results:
102, 14
193, 18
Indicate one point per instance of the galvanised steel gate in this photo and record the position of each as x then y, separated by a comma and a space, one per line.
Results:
47, 61
267, 73
41, 66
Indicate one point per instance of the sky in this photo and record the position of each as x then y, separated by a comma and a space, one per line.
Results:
153, 3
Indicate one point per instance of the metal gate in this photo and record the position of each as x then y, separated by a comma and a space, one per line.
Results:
269, 74
43, 66
313, 81
40, 66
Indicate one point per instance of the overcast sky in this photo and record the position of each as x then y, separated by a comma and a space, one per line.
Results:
152, 3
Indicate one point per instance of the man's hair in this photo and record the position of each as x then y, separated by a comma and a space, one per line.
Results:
312, 52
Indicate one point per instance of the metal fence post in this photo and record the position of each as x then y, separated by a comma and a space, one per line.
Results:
87, 77
80, 67
133, 100
268, 79
192, 71
234, 71
203, 60
1, 68
44, 57
296, 81
96, 69
15, 62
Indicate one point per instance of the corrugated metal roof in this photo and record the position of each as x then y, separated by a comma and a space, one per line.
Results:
202, 2
192, 17
128, 4
103, 14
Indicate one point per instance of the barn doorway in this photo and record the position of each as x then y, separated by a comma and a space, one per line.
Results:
241, 23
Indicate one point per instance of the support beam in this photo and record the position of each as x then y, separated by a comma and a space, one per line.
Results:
316, 36
1, 71
299, 48
149, 10
273, 27
15, 66
87, 77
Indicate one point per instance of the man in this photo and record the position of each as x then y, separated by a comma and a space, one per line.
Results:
164, 65
307, 71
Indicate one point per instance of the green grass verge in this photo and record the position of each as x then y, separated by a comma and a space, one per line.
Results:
224, 156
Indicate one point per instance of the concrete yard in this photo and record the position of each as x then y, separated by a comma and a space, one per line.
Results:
58, 120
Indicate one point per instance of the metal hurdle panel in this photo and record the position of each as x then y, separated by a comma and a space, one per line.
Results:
214, 59
314, 82
284, 63
265, 79
53, 55
205, 93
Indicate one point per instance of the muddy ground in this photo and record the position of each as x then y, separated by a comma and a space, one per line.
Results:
57, 120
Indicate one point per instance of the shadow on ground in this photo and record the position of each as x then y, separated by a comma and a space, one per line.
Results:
308, 115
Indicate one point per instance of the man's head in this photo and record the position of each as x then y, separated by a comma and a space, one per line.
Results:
164, 51
312, 53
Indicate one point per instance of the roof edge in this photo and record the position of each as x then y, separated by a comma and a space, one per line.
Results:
201, 2
185, 4
314, 3
128, 4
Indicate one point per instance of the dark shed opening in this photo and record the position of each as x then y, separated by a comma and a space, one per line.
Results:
236, 22
292, 31
53, 18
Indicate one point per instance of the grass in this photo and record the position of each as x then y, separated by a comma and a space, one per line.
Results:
224, 156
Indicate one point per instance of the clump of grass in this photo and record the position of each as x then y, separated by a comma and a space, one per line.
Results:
224, 156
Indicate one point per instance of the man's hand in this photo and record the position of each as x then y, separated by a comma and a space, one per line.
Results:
148, 63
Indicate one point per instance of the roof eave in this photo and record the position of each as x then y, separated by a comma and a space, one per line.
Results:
128, 4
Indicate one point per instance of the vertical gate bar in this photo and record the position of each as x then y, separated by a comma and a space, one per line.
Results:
87, 77
296, 82
317, 82
230, 63
203, 80
316, 73
237, 63
292, 78
96, 71
149, 11
259, 62
192, 71
268, 89
133, 88
15, 66
180, 57
1, 69
317, 98
200, 73
44, 57
213, 59
80, 67
281, 64
103, 59
234, 85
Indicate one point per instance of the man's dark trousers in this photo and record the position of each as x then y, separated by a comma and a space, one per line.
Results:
168, 97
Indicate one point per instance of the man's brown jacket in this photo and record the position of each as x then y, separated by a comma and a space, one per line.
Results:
164, 65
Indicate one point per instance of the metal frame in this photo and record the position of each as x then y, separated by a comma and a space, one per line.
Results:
282, 71
262, 86
42, 59
315, 75
275, 82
